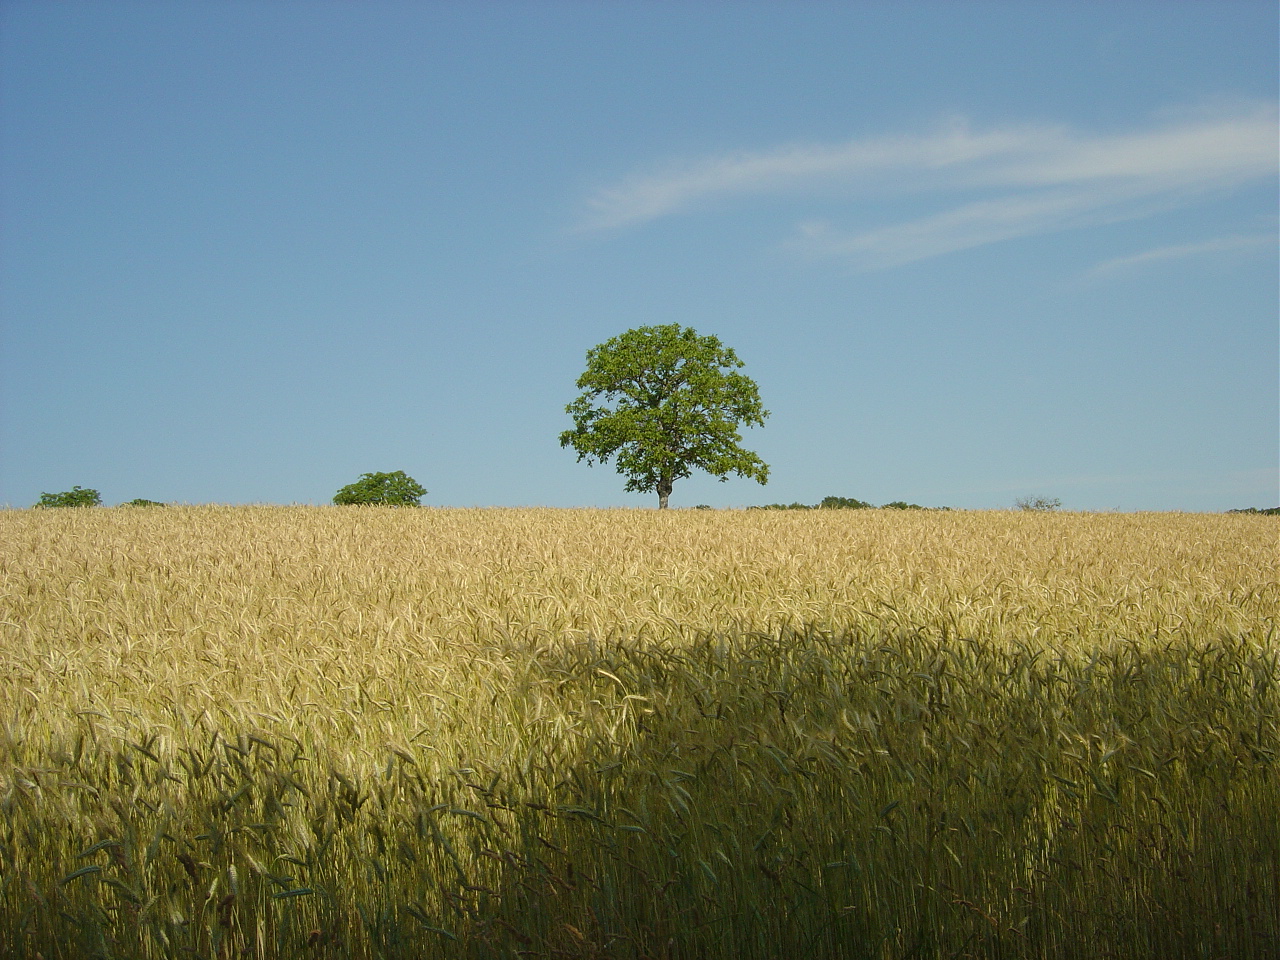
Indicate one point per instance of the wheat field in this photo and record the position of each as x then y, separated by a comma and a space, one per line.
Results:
367, 732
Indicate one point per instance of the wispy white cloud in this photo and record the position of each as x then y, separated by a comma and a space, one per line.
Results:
1185, 250
992, 185
973, 224
679, 186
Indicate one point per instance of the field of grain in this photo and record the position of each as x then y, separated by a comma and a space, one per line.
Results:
364, 732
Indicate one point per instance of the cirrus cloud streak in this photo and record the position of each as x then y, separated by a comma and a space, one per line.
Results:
987, 186
1184, 250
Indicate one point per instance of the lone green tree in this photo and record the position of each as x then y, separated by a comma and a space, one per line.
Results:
665, 401
396, 489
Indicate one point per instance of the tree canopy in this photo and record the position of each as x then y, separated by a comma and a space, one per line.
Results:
663, 401
75, 497
396, 489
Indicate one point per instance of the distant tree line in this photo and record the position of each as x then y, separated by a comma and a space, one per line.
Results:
87, 497
398, 489
1043, 504
658, 401
845, 503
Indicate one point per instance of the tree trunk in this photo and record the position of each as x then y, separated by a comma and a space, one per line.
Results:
664, 492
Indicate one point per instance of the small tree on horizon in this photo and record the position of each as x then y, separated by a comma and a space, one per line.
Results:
396, 489
75, 497
665, 401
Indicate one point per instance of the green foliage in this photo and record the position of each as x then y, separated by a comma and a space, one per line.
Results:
843, 503
1268, 512
382, 489
75, 497
140, 502
1041, 504
665, 401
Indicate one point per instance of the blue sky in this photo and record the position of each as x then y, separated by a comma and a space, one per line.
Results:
970, 252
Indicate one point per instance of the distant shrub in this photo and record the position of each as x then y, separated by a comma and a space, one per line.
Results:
843, 503
396, 489
1267, 512
901, 505
783, 506
1041, 504
139, 502
75, 497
